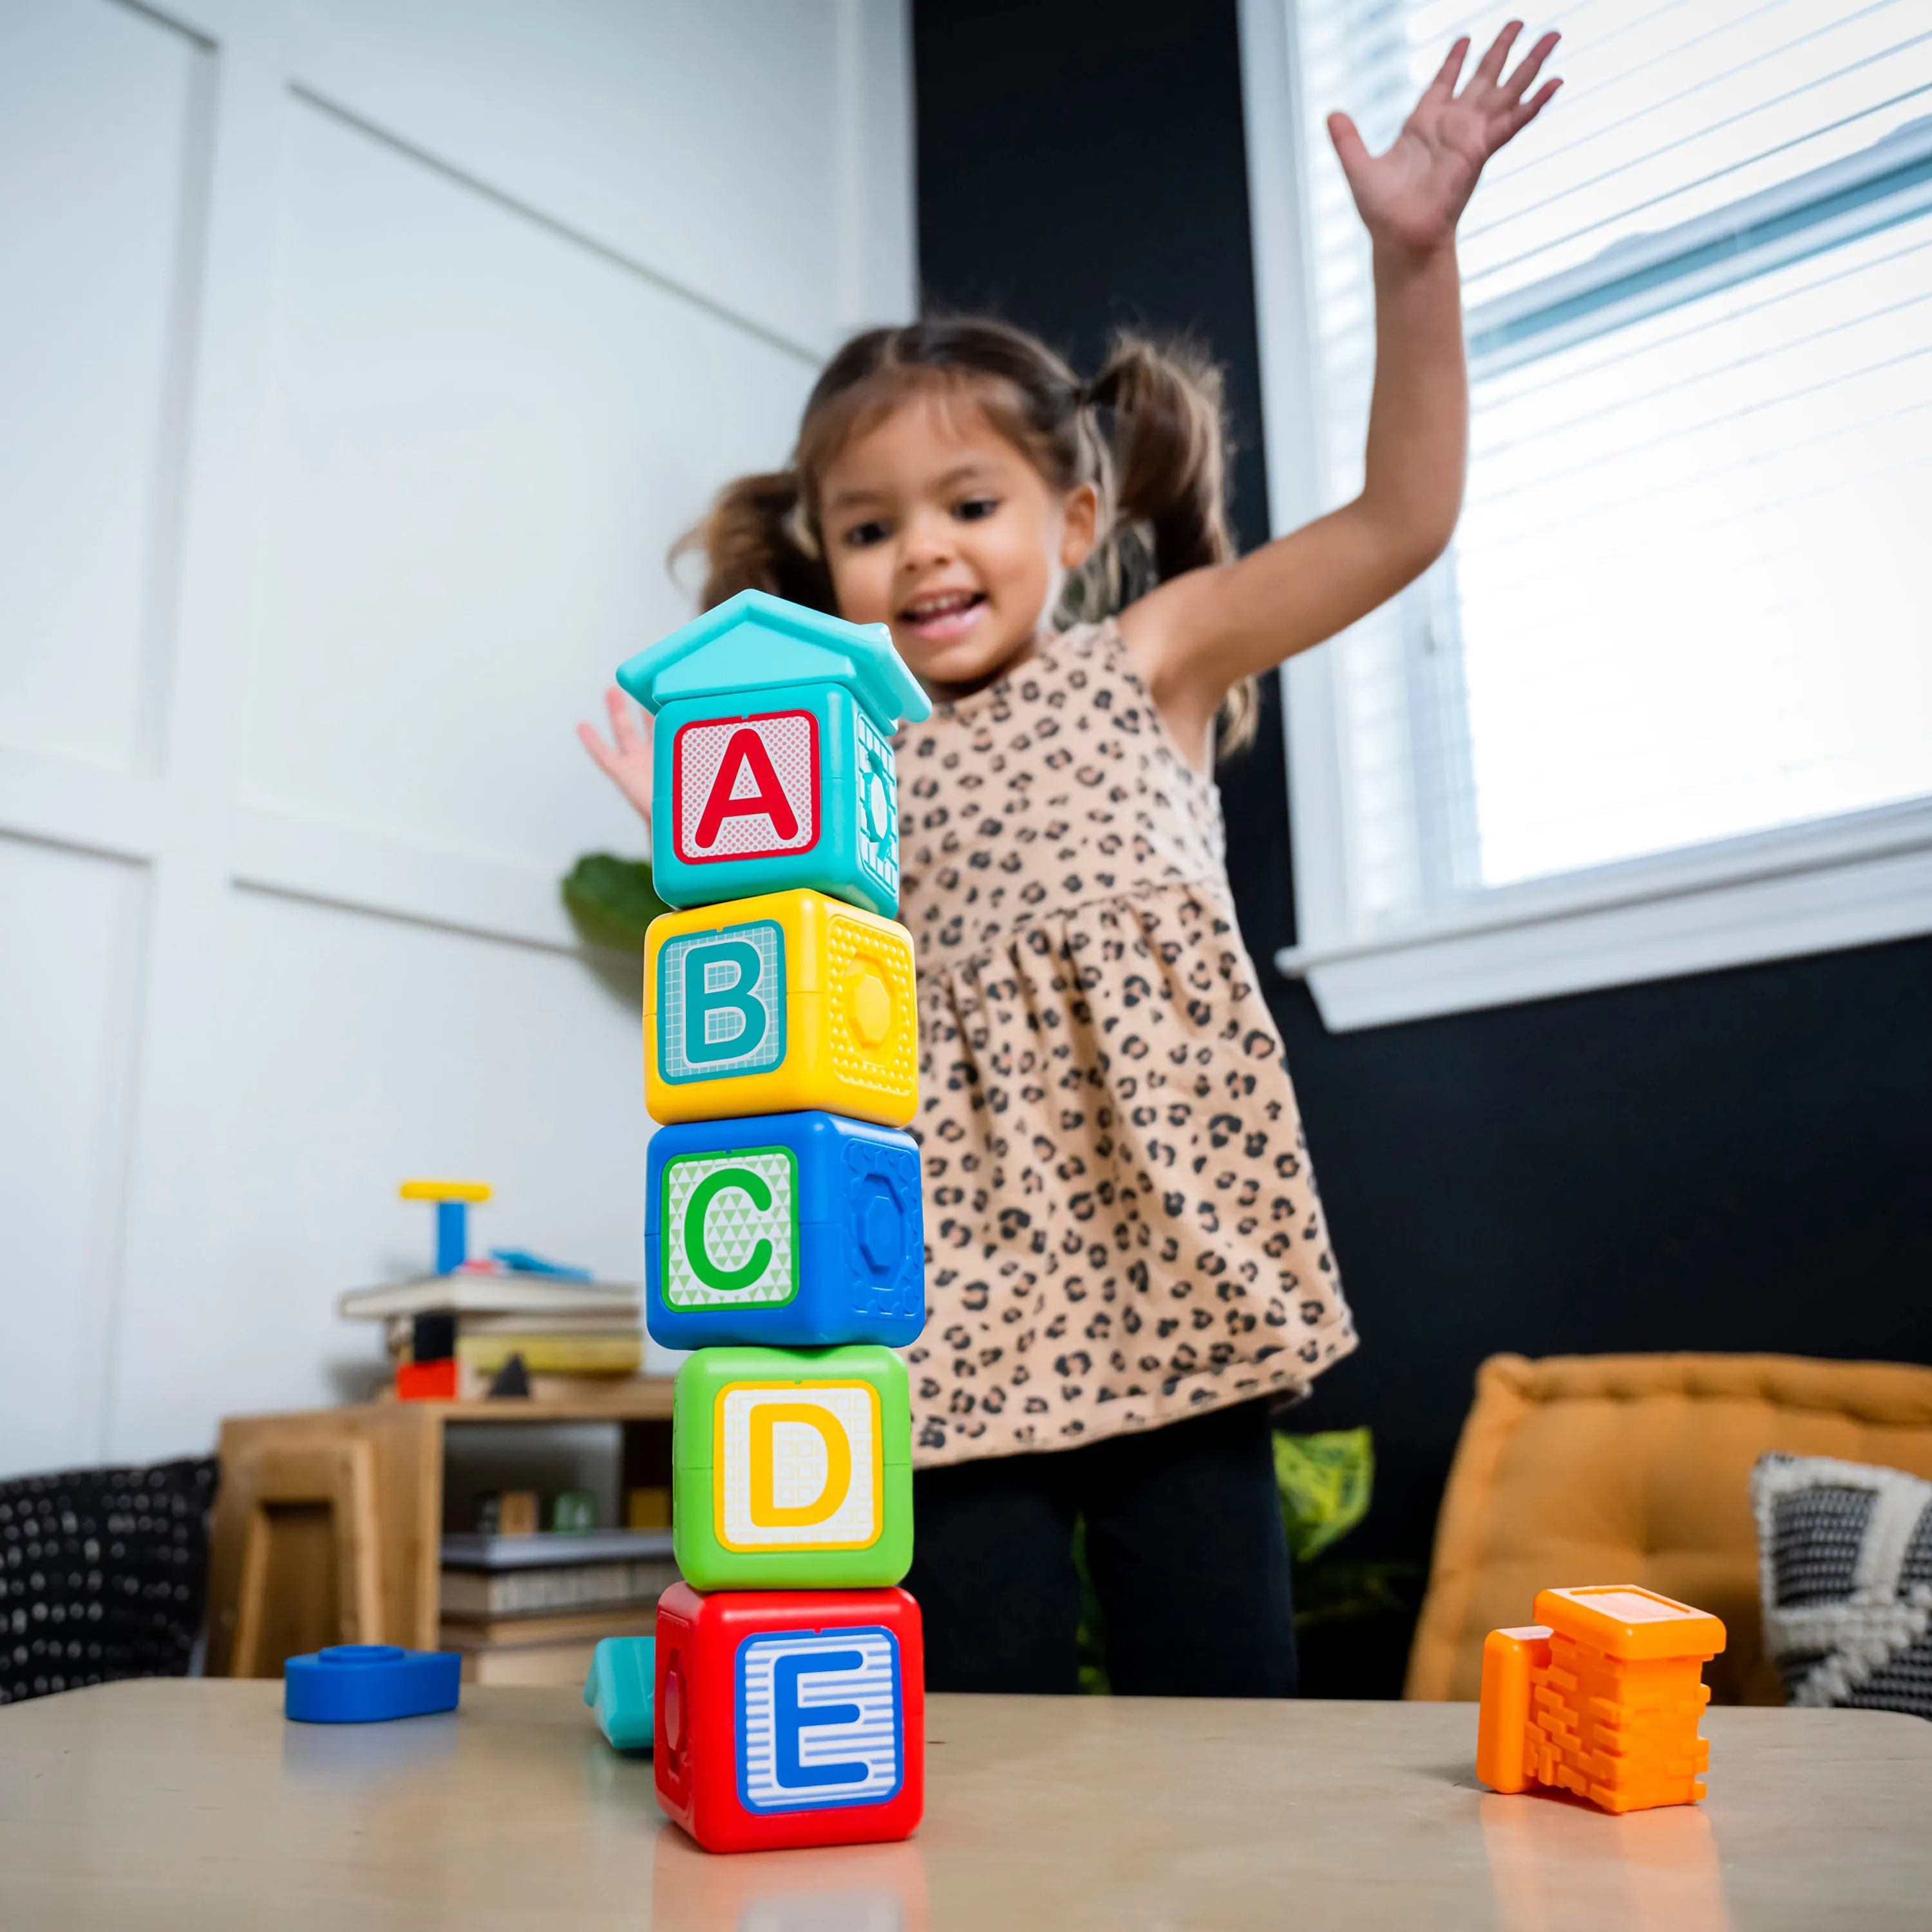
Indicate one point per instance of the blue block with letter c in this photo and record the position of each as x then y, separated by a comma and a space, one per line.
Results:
784, 1231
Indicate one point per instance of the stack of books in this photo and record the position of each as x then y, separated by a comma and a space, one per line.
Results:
571, 1337
530, 1610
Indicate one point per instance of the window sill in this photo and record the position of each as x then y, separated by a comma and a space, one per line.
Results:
1853, 881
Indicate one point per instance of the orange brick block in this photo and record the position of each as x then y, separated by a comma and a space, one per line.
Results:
1602, 1697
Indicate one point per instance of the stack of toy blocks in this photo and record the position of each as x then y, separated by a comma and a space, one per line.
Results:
784, 1235
1602, 1697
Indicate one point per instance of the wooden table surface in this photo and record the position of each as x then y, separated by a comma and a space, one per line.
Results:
194, 1805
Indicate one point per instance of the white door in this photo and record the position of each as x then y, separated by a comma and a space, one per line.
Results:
358, 361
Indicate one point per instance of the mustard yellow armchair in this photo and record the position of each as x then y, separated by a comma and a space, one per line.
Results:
1636, 1469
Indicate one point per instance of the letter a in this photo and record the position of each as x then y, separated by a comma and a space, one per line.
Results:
746, 752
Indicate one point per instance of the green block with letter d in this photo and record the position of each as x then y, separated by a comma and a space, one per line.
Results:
792, 1468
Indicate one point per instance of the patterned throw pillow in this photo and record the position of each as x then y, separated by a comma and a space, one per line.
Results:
1845, 1557
102, 1575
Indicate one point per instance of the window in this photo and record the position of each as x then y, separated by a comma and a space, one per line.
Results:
1667, 703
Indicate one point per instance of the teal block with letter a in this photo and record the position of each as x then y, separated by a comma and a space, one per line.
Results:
761, 791
774, 767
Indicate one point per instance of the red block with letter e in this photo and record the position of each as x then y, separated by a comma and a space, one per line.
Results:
791, 1717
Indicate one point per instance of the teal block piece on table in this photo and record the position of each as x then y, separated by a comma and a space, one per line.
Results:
792, 1468
618, 1689
774, 766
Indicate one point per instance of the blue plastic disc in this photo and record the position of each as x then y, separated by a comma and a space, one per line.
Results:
369, 1683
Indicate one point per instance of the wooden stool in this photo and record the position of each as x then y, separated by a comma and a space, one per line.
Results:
311, 1563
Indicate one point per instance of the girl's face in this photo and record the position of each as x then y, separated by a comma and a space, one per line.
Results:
935, 524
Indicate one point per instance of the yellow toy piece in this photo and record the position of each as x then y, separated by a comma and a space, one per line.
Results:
445, 1190
1601, 1697
779, 1004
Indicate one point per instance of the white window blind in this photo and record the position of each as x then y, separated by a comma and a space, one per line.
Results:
1687, 603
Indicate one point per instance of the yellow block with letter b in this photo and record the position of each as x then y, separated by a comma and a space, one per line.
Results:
779, 1005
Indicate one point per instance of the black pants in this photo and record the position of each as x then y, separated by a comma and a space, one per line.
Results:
1184, 1541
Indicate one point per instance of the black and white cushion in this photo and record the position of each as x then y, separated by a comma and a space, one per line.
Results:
1845, 1562
102, 1575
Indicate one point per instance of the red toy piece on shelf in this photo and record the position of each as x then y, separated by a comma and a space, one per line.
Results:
790, 1717
427, 1381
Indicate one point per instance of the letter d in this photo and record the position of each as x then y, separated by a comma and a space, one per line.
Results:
767, 1512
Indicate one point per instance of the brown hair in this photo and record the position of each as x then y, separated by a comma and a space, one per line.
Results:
1148, 432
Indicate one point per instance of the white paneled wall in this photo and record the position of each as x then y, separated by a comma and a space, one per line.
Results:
70, 931
358, 361
500, 427
98, 108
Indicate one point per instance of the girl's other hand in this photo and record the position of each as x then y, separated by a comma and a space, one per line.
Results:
1414, 195
627, 762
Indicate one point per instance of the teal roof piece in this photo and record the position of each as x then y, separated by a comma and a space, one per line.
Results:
754, 641
621, 1690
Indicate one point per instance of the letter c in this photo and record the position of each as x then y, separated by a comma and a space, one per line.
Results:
724, 1280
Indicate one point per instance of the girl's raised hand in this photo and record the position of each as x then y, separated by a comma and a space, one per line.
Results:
1414, 194
627, 761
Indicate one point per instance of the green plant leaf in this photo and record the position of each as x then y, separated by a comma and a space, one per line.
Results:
1333, 1592
611, 900
1091, 1638
1326, 1481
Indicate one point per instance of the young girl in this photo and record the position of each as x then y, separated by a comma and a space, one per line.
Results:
1127, 1261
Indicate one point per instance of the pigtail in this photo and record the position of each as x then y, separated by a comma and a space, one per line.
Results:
755, 537
1169, 449
1169, 459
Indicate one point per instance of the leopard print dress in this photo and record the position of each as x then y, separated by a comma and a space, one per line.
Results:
1122, 1225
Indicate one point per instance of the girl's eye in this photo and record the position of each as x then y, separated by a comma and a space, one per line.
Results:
975, 507
861, 536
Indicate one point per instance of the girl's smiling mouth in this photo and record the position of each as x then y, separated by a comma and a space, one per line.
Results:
943, 614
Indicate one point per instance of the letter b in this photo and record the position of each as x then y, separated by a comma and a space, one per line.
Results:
702, 999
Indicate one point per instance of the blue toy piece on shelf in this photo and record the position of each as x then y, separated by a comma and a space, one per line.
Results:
453, 1200
369, 1683
520, 1260
774, 766
623, 1674
786, 1230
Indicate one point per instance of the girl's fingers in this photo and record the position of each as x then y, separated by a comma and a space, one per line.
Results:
1529, 67
1519, 118
607, 759
619, 709
1443, 87
1350, 149
1490, 68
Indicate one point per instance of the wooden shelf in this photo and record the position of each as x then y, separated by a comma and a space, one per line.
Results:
638, 1398
302, 1545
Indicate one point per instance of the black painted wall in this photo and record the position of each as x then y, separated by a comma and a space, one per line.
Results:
1741, 1160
